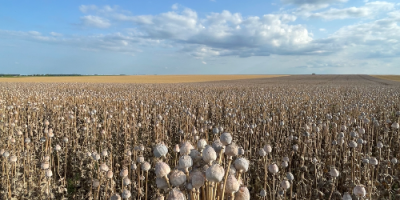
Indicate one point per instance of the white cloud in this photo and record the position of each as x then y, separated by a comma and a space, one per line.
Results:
94, 21
56, 34
308, 5
369, 10
322, 29
204, 62
175, 6
87, 8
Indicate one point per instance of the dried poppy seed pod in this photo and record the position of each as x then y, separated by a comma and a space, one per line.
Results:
201, 144
126, 181
45, 165
285, 184
124, 172
197, 179
352, 144
95, 183
146, 166
13, 159
359, 191
295, 147
231, 150
289, 176
176, 148
346, 196
176, 194
226, 138
162, 183
140, 159
268, 148
218, 146
186, 148
160, 150
104, 153
395, 125
263, 193
185, 162
115, 197
284, 164
334, 172
242, 194
232, 184
109, 174
103, 167
241, 151
273, 168
126, 194
394, 161
177, 177
373, 161
162, 169
133, 166
65, 140
379, 145
209, 154
57, 148
215, 173
241, 164
262, 152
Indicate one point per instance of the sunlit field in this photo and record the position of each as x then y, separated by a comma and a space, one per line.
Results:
388, 77
135, 79
294, 137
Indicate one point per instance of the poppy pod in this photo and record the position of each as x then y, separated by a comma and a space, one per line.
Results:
273, 168
162, 169
146, 166
160, 150
241, 164
215, 173
232, 184
209, 154
115, 197
186, 148
242, 194
197, 179
359, 191
126, 194
201, 144
109, 174
177, 177
232, 150
176, 194
123, 172
225, 138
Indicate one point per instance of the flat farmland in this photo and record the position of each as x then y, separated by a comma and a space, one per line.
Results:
388, 77
135, 78
291, 137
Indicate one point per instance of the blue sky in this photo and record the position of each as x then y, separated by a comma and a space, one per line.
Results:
200, 37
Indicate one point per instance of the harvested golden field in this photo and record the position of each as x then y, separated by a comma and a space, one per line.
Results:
389, 77
135, 78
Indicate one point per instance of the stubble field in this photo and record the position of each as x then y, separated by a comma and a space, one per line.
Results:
291, 137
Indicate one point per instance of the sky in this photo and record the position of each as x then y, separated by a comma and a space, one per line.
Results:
200, 37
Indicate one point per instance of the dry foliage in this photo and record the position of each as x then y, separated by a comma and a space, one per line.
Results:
297, 137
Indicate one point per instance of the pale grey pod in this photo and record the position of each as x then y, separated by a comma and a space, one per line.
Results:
215, 173
226, 138
177, 177
160, 150
241, 164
